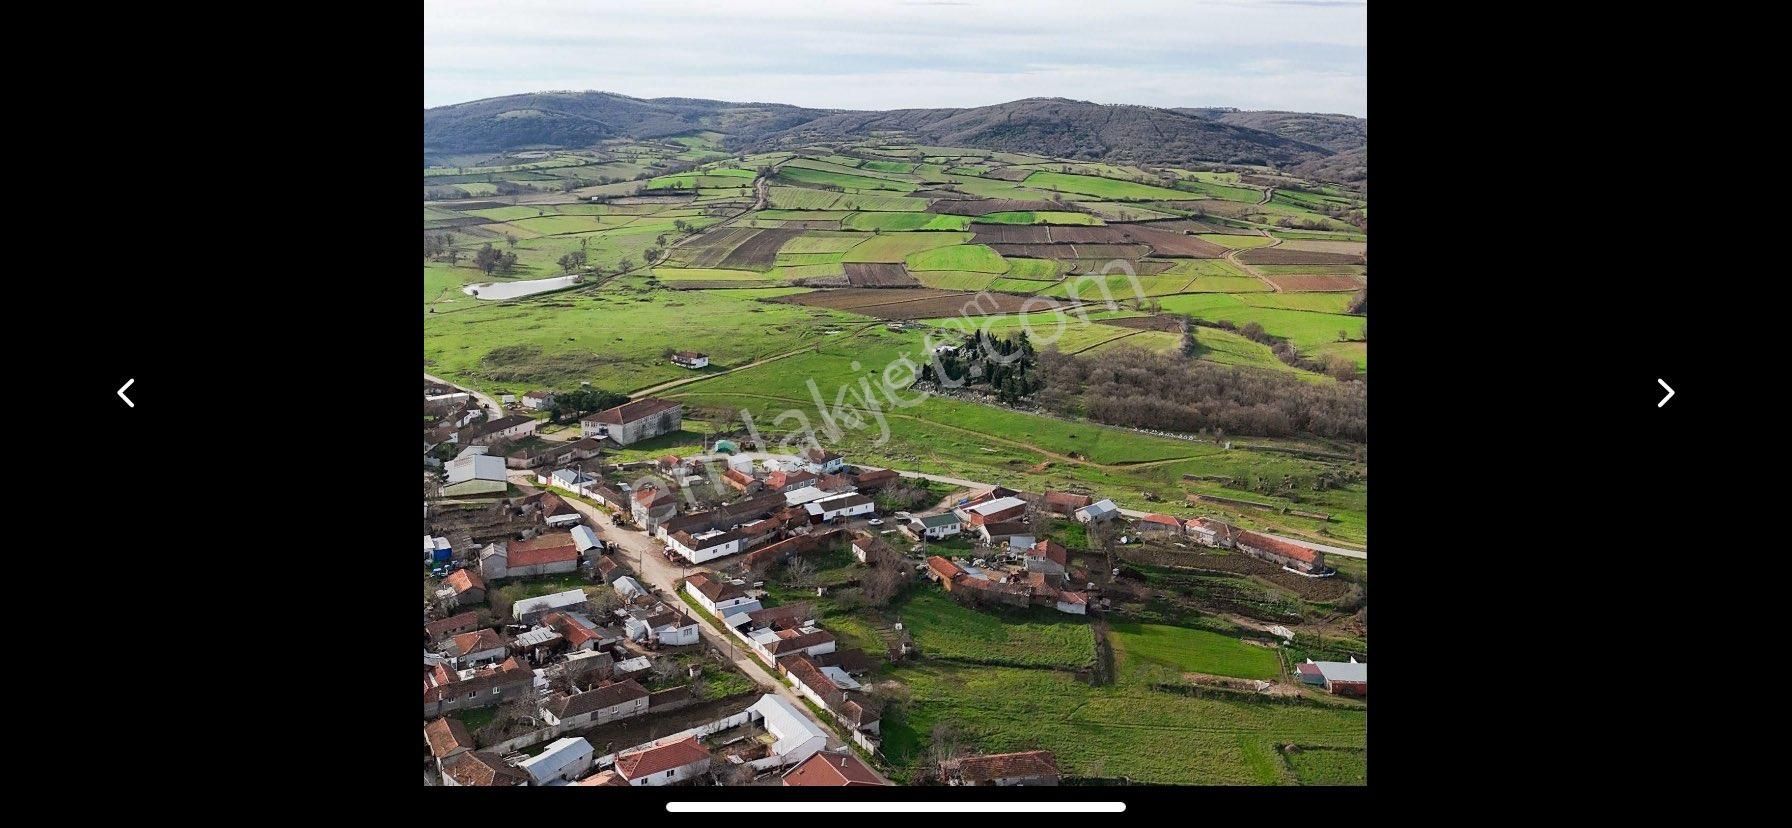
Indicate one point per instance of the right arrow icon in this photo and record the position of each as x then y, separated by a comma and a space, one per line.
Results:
1664, 400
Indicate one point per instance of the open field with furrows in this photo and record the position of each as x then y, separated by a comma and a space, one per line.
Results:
1281, 256
1318, 283
944, 629
895, 304
1115, 731
1104, 188
878, 274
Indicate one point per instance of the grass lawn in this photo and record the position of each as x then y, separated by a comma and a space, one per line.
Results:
896, 247
1110, 731
1139, 647
1330, 767
945, 629
976, 258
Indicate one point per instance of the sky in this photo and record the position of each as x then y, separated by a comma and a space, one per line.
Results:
1300, 55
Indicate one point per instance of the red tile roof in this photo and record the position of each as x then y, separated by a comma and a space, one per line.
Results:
811, 676
555, 547
473, 642
1163, 520
713, 589
1278, 546
660, 759
1050, 550
635, 411
786, 616
1032, 763
591, 701
437, 629
576, 634
1067, 501
483, 769
797, 642
603, 778
786, 480
831, 770
947, 570
739, 477
463, 580
446, 735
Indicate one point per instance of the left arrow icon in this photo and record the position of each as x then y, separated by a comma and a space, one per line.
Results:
121, 388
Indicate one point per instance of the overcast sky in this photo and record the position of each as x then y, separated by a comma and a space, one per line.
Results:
1302, 55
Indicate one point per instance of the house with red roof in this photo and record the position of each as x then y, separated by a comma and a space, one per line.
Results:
481, 769
548, 554
1282, 553
463, 587
666, 764
1048, 556
634, 421
1033, 767
1158, 525
832, 770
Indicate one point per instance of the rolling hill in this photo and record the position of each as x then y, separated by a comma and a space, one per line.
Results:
1057, 127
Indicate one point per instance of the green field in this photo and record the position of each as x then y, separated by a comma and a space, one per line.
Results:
1112, 731
976, 258
904, 221
1304, 329
955, 279
845, 181
1141, 647
1334, 766
897, 247
706, 274
1105, 188
943, 629
1039, 217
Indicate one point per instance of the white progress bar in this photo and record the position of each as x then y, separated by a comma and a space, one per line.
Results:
898, 807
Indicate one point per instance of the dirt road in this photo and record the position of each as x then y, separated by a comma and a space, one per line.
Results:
492, 409
646, 557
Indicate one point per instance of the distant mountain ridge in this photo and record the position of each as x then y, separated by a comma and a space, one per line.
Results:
1058, 127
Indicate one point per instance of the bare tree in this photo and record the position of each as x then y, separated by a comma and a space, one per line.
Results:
799, 572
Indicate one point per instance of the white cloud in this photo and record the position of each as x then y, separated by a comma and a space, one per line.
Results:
1293, 54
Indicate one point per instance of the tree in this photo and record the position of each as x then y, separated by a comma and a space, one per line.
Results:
625, 265
799, 572
510, 239
487, 258
507, 262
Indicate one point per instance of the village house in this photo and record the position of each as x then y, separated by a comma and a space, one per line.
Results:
725, 517
437, 550
661, 626
1158, 525
634, 421
989, 494
690, 359
461, 588
831, 688
579, 631
555, 454
1210, 532
531, 610
851, 505
721, 598
703, 547
630, 589
872, 481
450, 626
537, 400
933, 527
822, 461
472, 649
549, 554
789, 481
513, 427
1033, 767
1065, 503
996, 510
600, 705
562, 761
1097, 512
1282, 553
740, 481
446, 690
474, 474
774, 644
944, 572
801, 498
481, 769
999, 533
666, 764
831, 770
570, 480
447, 738
1048, 556
650, 506
538, 644
1340, 678
865, 545
609, 569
